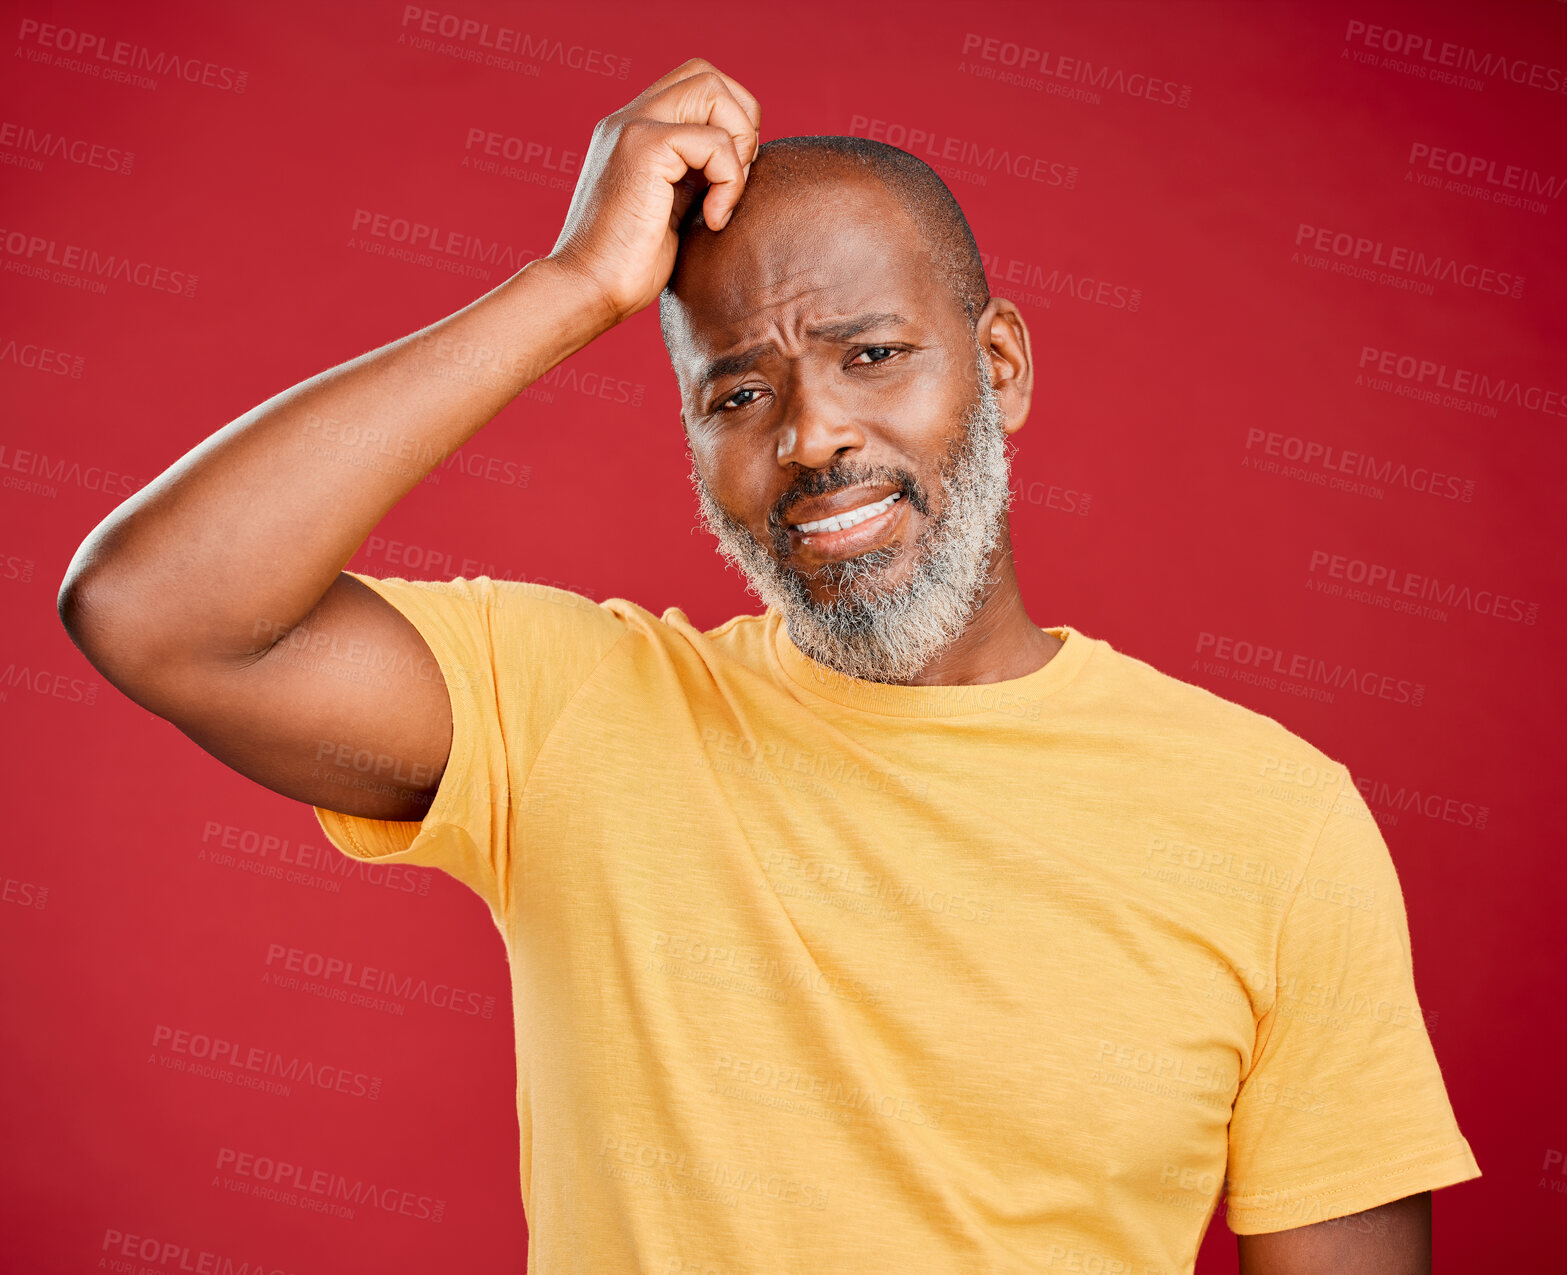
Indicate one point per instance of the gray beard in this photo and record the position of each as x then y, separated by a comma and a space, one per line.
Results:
871, 630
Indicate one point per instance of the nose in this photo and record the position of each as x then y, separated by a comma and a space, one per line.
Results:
816, 428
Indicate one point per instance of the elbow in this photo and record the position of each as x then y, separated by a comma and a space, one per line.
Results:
106, 630
96, 602
78, 605
98, 609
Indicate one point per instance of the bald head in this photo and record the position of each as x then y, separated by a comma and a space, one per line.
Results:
806, 178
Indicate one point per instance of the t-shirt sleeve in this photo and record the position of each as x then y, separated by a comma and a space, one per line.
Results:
512, 655
1344, 1107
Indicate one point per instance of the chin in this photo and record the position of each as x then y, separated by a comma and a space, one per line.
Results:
826, 584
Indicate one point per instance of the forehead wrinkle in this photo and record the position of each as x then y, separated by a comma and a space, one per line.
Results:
738, 360
796, 263
828, 329
761, 306
778, 268
723, 364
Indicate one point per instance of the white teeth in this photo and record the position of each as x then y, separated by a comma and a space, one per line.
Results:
850, 518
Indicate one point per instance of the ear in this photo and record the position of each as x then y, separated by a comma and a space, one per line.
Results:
1003, 335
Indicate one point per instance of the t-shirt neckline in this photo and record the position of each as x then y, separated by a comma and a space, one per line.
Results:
1018, 696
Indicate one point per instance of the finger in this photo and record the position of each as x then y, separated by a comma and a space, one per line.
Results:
709, 150
705, 98
738, 91
696, 66
688, 68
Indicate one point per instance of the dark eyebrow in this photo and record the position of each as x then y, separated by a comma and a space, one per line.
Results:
841, 330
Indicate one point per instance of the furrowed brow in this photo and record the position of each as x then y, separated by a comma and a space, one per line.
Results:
841, 330
847, 329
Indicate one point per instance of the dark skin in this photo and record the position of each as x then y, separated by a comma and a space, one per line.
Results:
856, 355
1392, 1239
184, 595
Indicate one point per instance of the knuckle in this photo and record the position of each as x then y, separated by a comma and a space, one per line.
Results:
635, 129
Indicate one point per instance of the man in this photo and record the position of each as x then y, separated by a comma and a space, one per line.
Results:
885, 931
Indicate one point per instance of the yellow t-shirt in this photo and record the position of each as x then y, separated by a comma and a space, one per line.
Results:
814, 974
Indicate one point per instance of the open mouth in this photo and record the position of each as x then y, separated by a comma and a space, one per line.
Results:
852, 532
849, 518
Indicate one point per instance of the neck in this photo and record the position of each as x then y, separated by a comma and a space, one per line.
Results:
1001, 643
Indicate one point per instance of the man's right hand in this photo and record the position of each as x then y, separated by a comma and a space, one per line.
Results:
647, 162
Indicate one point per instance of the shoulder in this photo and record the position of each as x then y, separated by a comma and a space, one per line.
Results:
739, 640
1214, 733
674, 625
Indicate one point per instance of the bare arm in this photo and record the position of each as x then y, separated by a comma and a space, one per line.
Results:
182, 597
1392, 1239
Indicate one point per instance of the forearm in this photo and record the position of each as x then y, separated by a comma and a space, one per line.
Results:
240, 538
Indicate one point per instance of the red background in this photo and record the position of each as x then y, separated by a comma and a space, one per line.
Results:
1143, 517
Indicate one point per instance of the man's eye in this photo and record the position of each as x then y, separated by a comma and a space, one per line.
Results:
885, 351
731, 400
